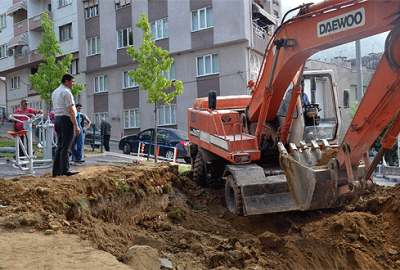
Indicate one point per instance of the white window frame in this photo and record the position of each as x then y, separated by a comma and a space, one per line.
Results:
205, 22
65, 35
127, 80
97, 118
100, 84
3, 21
160, 29
63, 3
74, 68
3, 51
92, 11
132, 122
170, 75
168, 114
97, 46
36, 105
15, 82
203, 69
124, 35
119, 6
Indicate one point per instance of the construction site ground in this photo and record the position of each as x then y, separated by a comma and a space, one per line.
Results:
115, 215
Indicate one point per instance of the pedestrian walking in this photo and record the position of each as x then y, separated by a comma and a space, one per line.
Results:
66, 124
105, 128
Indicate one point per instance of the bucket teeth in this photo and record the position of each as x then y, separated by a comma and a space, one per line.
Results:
315, 148
295, 152
325, 145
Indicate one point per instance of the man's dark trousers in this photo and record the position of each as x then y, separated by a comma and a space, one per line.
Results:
65, 136
106, 142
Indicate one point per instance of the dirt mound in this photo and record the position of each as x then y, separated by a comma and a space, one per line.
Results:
117, 207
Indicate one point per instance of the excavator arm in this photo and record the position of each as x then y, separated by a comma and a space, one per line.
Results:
317, 27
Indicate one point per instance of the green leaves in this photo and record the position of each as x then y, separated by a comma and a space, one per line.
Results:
49, 74
153, 62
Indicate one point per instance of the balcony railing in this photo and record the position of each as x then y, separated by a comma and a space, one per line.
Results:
20, 27
35, 22
260, 32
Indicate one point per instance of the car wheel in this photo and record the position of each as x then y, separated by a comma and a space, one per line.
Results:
169, 154
127, 148
187, 159
199, 172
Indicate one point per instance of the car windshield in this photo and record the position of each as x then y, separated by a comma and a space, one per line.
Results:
181, 134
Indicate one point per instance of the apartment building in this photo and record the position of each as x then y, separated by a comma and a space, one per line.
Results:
21, 33
216, 45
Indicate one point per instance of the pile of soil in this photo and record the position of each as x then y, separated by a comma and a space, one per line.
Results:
119, 207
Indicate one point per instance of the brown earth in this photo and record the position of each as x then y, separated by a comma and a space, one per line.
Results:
112, 208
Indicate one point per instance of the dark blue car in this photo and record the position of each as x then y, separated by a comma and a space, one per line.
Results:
167, 140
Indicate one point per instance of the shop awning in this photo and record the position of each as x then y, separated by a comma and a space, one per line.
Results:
261, 12
21, 5
18, 40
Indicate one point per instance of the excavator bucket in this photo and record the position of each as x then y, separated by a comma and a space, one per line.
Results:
315, 181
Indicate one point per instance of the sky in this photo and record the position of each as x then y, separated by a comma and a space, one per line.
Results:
373, 44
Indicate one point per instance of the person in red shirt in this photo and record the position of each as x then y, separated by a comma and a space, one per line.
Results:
18, 126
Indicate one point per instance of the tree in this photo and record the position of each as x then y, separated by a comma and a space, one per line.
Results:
154, 63
49, 74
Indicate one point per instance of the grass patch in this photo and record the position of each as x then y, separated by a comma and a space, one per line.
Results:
183, 169
11, 143
7, 143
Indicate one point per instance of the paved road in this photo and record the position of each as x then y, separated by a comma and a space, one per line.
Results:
115, 156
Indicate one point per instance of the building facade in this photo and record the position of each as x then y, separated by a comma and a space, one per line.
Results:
216, 45
21, 33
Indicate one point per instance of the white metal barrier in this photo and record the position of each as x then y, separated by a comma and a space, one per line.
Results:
29, 161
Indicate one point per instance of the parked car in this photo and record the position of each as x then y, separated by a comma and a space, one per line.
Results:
166, 138
89, 137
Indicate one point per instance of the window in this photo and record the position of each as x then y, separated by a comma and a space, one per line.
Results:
3, 20
3, 51
73, 69
65, 32
97, 118
14, 108
92, 11
93, 46
125, 38
15, 82
128, 80
132, 118
64, 2
207, 64
100, 84
160, 29
170, 75
166, 115
202, 19
122, 3
36, 105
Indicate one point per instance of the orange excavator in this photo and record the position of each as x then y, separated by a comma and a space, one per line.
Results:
276, 151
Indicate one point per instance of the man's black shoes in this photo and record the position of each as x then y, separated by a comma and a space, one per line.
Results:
71, 173
67, 174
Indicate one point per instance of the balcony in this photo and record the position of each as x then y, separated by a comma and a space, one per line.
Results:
35, 23
20, 27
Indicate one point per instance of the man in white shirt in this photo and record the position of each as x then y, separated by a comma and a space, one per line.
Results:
66, 123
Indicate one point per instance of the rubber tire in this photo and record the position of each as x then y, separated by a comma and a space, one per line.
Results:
127, 149
199, 172
169, 154
233, 196
187, 160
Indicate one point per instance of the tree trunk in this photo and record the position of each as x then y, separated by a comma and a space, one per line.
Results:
155, 134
